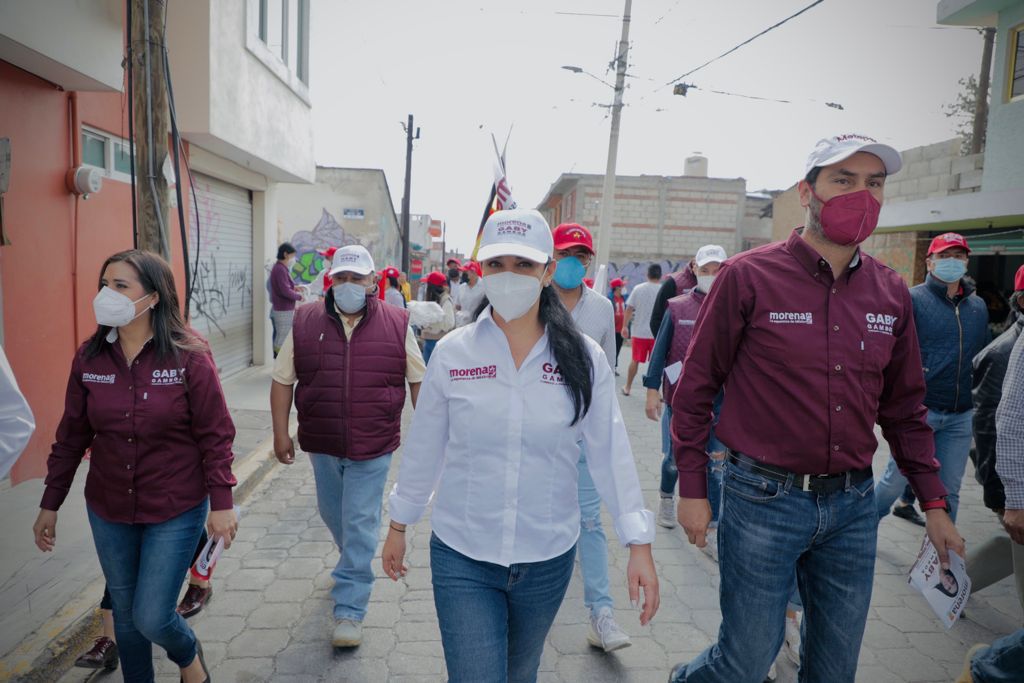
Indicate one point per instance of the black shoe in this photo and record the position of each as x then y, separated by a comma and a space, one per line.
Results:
102, 655
909, 513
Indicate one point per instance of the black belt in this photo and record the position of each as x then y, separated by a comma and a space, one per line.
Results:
815, 483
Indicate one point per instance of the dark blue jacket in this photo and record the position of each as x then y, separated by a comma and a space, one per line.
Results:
951, 332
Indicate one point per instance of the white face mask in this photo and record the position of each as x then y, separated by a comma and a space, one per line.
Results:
114, 309
350, 297
704, 282
511, 294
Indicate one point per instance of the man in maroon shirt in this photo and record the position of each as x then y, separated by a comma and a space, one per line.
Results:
814, 341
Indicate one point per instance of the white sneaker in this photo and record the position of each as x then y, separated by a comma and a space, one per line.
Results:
773, 673
711, 549
667, 513
605, 633
347, 633
791, 646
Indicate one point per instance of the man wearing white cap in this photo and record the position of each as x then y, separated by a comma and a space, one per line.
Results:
350, 358
815, 342
665, 370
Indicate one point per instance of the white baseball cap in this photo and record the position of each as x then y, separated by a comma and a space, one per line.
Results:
516, 232
838, 147
710, 253
354, 259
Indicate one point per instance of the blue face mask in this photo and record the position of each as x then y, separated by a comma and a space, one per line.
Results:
350, 297
569, 273
949, 270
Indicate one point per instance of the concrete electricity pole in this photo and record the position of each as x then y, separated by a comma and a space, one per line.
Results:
152, 121
408, 188
607, 212
981, 95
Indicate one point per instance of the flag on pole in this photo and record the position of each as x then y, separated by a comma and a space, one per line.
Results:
501, 194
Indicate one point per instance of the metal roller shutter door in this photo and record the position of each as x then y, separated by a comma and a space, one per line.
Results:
222, 293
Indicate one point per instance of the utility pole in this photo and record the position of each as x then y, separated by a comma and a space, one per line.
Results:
152, 119
408, 188
607, 212
981, 96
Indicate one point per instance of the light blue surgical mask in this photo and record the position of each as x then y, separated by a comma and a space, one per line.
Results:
949, 270
350, 297
569, 273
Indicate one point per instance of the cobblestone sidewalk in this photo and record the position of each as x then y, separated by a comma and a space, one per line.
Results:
271, 614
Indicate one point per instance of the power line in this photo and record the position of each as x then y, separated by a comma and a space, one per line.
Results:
745, 42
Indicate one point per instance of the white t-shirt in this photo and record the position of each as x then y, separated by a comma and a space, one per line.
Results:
641, 300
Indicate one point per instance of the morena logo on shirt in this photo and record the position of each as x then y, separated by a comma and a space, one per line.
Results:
98, 379
162, 378
791, 318
482, 372
880, 322
552, 374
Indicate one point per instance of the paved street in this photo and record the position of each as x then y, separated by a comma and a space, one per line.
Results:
271, 619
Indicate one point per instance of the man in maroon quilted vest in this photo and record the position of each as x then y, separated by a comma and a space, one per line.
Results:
665, 370
349, 359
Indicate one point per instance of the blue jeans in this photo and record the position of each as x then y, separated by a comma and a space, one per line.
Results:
349, 495
953, 433
145, 565
769, 531
1003, 662
494, 619
670, 475
428, 348
593, 544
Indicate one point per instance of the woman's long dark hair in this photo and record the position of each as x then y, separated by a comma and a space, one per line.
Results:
434, 293
171, 335
568, 348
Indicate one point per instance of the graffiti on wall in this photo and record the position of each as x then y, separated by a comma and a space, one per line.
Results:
218, 288
309, 264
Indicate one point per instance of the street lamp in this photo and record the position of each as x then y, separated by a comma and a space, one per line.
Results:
607, 209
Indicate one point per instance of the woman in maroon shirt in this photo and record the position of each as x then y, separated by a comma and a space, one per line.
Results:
145, 398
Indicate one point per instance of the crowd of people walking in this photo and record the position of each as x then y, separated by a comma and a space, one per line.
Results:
767, 372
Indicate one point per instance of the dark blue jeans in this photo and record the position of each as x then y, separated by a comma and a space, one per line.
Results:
670, 475
768, 531
428, 348
144, 565
1003, 662
494, 619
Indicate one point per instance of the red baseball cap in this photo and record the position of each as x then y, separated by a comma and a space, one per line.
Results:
474, 267
436, 278
589, 282
455, 261
1018, 280
947, 241
328, 252
390, 271
573, 235
617, 282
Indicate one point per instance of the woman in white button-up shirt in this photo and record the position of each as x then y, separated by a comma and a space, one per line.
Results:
495, 439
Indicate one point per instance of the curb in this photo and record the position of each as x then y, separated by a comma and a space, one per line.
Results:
77, 625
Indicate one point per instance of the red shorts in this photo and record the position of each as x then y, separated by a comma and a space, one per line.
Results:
642, 349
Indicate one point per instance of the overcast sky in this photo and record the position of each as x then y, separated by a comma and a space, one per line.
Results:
468, 69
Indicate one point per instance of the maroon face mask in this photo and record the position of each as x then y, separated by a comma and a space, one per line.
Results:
849, 218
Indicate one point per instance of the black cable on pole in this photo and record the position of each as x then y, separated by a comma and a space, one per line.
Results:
745, 42
131, 127
176, 140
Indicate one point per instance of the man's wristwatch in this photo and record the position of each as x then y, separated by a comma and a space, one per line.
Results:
936, 504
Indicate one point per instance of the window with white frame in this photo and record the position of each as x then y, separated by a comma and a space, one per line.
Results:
108, 152
283, 31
